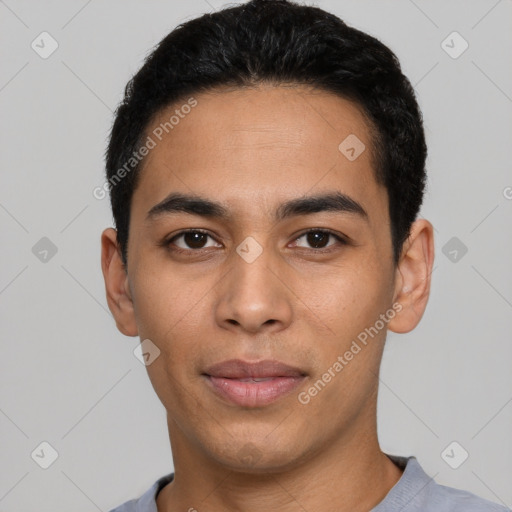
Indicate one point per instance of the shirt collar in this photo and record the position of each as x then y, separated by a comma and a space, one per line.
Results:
410, 485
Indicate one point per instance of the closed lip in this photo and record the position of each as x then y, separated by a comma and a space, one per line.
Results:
239, 369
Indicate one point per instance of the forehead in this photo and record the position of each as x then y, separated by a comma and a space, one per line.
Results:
258, 146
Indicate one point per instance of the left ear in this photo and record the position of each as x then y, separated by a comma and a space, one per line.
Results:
413, 277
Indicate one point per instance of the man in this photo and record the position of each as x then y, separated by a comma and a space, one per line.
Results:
266, 170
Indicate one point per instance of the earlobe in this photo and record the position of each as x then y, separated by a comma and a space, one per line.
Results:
119, 297
414, 277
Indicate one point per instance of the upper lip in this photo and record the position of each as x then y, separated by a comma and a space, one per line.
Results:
239, 369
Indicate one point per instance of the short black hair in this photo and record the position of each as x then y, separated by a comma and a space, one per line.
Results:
277, 42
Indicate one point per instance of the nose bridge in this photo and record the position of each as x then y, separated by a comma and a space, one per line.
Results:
251, 295
252, 274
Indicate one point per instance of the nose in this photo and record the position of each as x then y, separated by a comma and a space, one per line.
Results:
253, 296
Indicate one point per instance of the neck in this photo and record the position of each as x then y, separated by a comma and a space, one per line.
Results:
350, 474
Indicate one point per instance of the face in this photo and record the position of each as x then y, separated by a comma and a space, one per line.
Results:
255, 236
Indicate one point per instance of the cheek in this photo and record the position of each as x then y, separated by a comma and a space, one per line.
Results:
166, 300
346, 297
351, 302
172, 314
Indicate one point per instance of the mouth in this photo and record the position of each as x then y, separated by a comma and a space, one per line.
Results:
253, 384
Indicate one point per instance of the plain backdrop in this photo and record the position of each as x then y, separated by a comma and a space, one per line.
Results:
70, 379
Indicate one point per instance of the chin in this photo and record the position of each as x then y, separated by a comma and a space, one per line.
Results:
258, 457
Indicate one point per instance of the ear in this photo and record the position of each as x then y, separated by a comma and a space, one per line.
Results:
413, 277
116, 283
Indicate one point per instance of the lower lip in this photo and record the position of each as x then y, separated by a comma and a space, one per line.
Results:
254, 394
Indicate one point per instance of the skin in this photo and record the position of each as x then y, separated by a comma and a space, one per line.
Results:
251, 150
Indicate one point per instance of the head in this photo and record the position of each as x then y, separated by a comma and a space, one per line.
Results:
290, 147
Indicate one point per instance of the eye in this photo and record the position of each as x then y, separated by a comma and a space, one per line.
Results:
317, 239
193, 239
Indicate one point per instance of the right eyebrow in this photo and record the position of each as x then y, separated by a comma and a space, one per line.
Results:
189, 204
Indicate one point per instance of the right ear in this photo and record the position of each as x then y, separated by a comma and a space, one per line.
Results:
117, 285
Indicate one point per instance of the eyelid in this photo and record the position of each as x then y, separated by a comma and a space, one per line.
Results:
168, 240
338, 236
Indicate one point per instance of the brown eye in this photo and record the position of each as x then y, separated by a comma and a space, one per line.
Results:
318, 239
193, 240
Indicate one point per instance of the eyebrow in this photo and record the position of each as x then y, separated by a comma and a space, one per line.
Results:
196, 205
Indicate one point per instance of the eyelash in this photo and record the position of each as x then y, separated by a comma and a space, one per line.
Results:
167, 242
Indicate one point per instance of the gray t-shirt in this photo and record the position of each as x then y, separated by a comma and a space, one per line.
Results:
414, 492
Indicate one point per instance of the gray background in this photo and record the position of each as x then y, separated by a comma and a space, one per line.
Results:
69, 378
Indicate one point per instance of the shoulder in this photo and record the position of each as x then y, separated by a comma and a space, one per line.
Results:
147, 502
449, 499
129, 506
418, 492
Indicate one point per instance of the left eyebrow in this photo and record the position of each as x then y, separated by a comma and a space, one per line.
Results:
196, 205
334, 202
